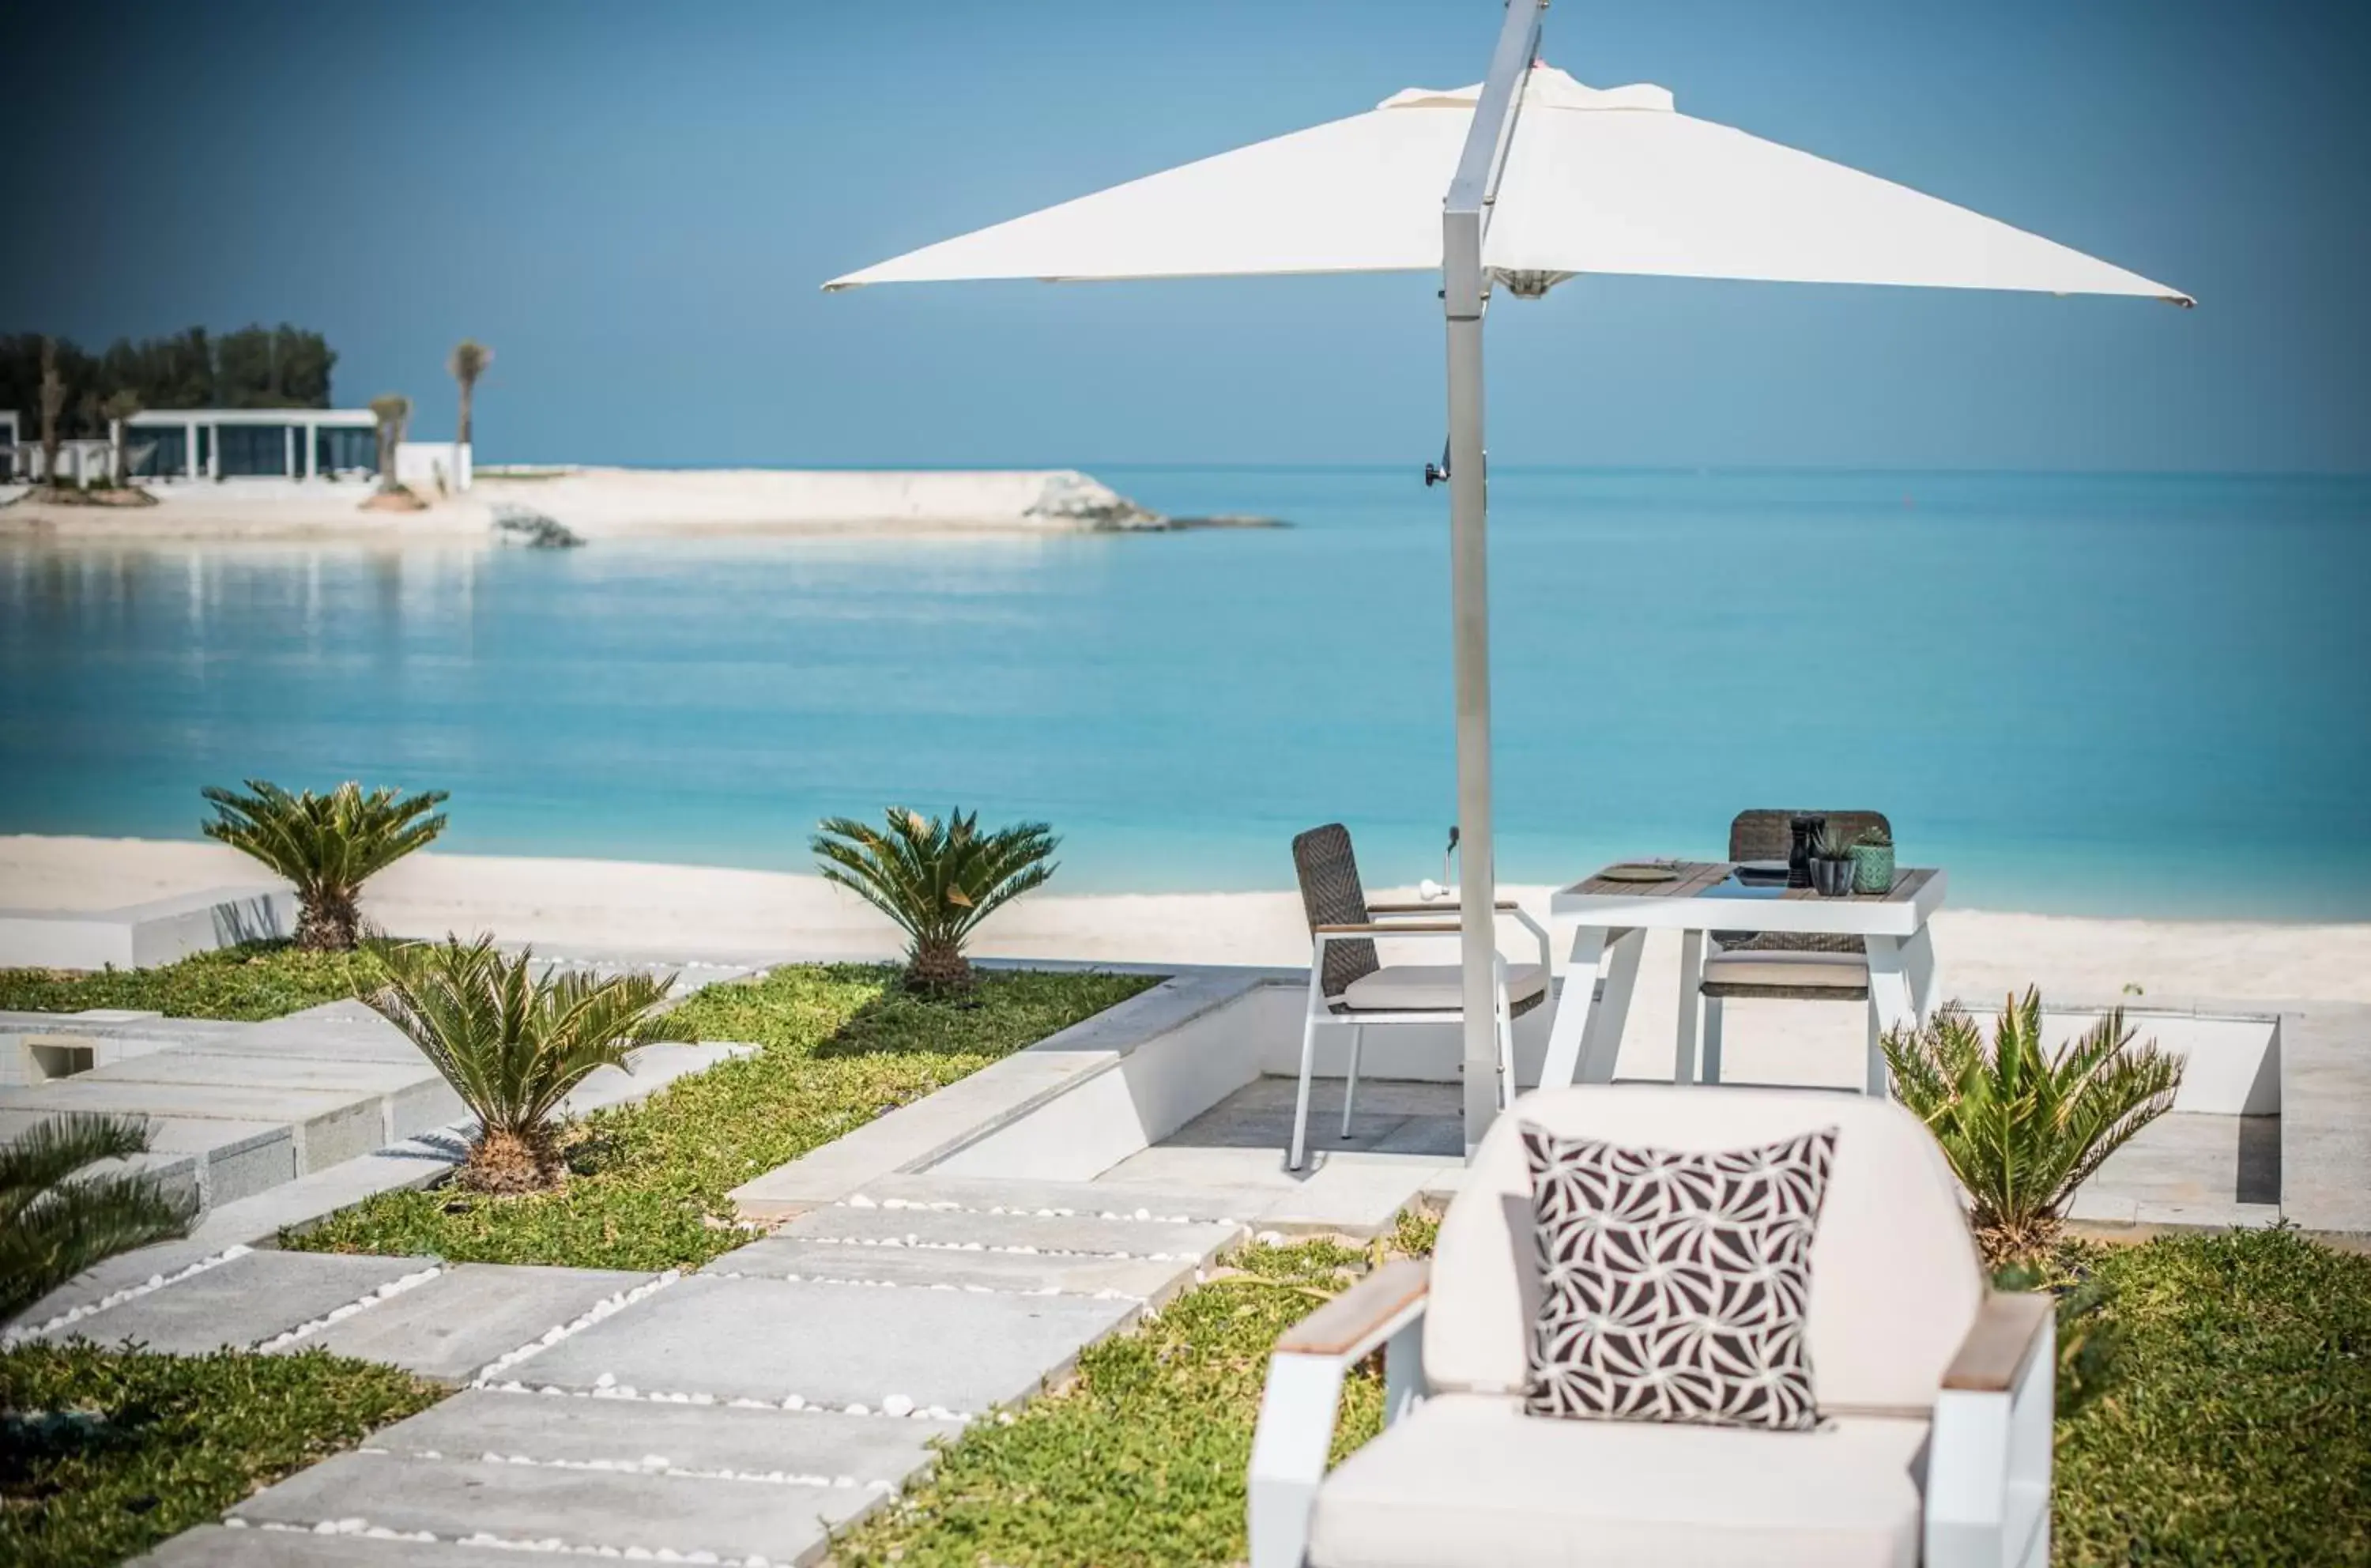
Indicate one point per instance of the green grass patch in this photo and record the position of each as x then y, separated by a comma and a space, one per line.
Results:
1140, 1461
2232, 1426
253, 981
647, 1183
104, 1453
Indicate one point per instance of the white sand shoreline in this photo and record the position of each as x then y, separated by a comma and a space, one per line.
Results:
614, 907
598, 504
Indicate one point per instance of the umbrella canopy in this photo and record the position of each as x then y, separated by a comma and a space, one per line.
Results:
1524, 181
1610, 180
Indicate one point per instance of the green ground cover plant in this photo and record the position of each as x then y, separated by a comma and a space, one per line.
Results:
248, 983
104, 1453
2230, 1426
2232, 1422
646, 1184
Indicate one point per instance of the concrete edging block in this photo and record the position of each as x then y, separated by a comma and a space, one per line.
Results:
933, 1128
139, 936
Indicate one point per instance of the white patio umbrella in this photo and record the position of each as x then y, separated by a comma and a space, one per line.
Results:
1519, 182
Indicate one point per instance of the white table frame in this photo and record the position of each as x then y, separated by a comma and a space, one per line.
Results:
1587, 1034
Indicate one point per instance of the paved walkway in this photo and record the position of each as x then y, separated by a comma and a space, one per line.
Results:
734, 1414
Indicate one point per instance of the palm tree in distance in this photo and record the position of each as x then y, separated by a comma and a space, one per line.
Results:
394, 411
469, 360
119, 408
54, 404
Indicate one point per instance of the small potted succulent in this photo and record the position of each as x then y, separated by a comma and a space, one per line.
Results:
1832, 862
1872, 860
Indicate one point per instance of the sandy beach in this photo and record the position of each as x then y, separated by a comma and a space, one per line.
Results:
599, 503
609, 906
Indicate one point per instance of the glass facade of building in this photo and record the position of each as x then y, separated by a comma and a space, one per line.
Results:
339, 449
154, 452
254, 449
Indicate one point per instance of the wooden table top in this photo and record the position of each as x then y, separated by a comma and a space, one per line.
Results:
1682, 901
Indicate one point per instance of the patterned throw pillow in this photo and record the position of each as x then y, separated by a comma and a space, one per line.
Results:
1674, 1287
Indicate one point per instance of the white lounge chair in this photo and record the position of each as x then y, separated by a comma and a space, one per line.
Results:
1936, 1394
1349, 985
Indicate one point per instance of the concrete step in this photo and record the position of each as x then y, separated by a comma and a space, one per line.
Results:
472, 1315
223, 1161
787, 1257
247, 1301
817, 1447
832, 1345
1192, 1240
562, 1508
327, 1125
991, 1194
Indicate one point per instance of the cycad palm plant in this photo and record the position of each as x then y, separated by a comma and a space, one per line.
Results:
938, 878
328, 845
513, 1043
2024, 1127
53, 1224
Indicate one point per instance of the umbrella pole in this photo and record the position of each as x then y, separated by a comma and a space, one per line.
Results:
1465, 214
1469, 565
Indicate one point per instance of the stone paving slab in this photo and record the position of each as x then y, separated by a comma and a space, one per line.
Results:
782, 1257
832, 1344
1192, 1240
782, 1522
243, 1302
471, 1314
712, 1439
655, 1067
219, 1546
1108, 1200
125, 1271
258, 1217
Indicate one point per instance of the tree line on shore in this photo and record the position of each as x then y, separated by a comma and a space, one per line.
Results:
255, 367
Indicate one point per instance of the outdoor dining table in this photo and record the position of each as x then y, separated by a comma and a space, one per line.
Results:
1702, 896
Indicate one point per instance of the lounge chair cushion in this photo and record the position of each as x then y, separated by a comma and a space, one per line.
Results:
1845, 971
1895, 1281
1432, 987
1470, 1479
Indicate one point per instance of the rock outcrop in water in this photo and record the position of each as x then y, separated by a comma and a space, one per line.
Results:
516, 525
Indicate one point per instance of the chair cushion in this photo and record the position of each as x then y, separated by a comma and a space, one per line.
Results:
1674, 1287
1895, 1282
1432, 987
1845, 971
1468, 1480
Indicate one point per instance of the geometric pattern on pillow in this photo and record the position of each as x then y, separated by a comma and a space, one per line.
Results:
1674, 1287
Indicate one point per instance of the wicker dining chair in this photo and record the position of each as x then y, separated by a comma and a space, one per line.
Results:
1781, 965
1349, 983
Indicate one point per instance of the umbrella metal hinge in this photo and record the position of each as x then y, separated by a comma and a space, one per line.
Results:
1435, 474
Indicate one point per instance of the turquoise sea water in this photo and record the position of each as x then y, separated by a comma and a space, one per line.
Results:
2119, 695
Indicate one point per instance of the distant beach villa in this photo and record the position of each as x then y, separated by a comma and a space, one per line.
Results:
209, 443
213, 443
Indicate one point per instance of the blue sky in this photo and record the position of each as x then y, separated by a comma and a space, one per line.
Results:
634, 203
